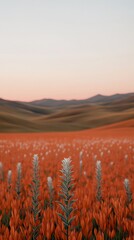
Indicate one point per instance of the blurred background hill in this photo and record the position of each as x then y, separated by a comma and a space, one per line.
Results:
66, 115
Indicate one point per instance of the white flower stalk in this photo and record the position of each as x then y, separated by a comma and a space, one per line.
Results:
126, 157
81, 162
95, 157
9, 178
81, 166
1, 172
50, 189
50, 184
18, 181
111, 164
99, 179
81, 155
35, 195
108, 151
101, 154
128, 191
66, 195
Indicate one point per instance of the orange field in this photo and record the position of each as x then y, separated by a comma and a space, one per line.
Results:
110, 218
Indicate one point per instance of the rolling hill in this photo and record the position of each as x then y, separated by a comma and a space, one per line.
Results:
65, 115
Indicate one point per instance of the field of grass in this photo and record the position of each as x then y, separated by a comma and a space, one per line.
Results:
103, 178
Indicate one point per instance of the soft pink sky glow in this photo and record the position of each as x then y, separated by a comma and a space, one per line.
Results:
66, 50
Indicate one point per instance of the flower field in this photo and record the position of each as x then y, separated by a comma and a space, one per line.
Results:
102, 185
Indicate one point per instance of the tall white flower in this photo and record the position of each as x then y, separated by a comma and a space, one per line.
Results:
18, 181
1, 172
35, 195
81, 155
99, 179
126, 157
50, 184
66, 165
50, 189
66, 195
35, 161
128, 191
81, 162
9, 178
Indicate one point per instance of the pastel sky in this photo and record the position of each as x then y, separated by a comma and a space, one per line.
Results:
66, 48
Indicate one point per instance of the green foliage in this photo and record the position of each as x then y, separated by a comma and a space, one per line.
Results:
6, 219
35, 232
46, 204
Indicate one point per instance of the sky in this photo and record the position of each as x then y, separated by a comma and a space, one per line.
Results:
62, 49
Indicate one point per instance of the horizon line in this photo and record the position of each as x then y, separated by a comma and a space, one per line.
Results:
71, 99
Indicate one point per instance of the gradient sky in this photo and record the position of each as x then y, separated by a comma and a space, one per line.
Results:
66, 49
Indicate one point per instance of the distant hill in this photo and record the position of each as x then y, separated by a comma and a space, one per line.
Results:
65, 115
95, 99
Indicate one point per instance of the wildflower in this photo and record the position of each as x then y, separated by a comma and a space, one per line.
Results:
50, 188
126, 157
81, 155
81, 162
128, 191
1, 172
18, 182
9, 176
95, 157
35, 195
98, 177
66, 195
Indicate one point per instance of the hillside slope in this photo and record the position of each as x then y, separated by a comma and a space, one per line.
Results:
30, 117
